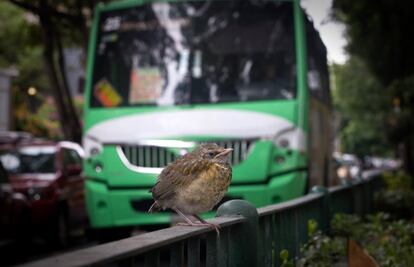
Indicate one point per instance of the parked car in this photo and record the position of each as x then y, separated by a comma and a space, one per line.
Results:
46, 178
13, 137
348, 166
13, 209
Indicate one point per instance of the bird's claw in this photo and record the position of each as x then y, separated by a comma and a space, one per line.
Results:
212, 225
216, 228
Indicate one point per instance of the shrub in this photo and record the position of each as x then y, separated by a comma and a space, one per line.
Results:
390, 242
397, 196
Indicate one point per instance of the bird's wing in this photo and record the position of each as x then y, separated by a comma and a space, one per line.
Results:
178, 175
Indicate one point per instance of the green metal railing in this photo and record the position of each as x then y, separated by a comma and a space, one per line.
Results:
248, 236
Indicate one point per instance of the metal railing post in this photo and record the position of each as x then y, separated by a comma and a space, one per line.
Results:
326, 206
243, 238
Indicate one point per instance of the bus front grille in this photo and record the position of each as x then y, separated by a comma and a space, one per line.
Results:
240, 149
147, 156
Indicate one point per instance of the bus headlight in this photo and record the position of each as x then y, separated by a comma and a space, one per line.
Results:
292, 138
283, 142
92, 146
283, 136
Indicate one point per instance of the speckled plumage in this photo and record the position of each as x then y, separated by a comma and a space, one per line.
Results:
194, 183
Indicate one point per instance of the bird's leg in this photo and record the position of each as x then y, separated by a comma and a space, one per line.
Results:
201, 223
199, 218
188, 220
204, 222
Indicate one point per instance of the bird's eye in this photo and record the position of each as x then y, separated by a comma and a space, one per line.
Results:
211, 154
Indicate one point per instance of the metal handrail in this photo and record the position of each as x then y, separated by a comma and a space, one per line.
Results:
248, 236
130, 247
276, 208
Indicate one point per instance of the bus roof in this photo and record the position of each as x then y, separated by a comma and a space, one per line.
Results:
131, 3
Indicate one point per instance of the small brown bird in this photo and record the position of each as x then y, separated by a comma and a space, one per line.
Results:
194, 183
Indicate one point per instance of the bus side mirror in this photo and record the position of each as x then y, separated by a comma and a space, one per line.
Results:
74, 146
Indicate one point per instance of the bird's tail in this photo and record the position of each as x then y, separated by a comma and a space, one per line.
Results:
154, 207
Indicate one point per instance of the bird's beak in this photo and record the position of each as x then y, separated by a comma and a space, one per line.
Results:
224, 153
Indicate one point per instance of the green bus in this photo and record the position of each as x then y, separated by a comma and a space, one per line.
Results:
165, 76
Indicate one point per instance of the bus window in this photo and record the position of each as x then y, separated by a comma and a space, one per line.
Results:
172, 54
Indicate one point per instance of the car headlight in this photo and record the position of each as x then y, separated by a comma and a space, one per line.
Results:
37, 193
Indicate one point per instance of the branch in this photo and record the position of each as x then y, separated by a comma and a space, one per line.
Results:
27, 6
74, 19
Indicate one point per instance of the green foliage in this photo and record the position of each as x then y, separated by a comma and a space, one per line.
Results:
43, 122
31, 72
380, 34
19, 43
397, 197
400, 121
23, 35
312, 227
390, 242
14, 33
362, 109
380, 30
343, 225
399, 181
284, 259
321, 250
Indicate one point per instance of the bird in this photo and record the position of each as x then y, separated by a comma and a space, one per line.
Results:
194, 183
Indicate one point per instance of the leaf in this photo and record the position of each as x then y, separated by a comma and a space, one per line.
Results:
284, 255
312, 227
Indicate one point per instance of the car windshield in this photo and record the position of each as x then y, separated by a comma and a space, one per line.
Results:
194, 52
29, 159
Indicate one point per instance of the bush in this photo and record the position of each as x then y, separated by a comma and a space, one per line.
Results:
322, 250
397, 196
390, 242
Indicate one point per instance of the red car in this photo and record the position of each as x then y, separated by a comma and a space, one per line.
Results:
47, 186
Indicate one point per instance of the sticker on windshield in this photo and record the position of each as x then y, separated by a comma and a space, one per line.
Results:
112, 24
145, 85
107, 94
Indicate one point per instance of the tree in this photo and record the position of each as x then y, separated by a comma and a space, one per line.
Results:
52, 47
381, 34
363, 112
22, 51
59, 23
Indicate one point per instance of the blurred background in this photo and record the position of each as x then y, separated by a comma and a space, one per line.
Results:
43, 66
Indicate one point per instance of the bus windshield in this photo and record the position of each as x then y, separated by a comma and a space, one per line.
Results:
194, 52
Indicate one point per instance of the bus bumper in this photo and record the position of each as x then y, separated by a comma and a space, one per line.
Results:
128, 207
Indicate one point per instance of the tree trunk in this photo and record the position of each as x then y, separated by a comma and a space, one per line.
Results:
68, 118
49, 48
73, 116
83, 23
